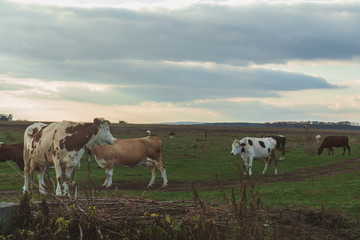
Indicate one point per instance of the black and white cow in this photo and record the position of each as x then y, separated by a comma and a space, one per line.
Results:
255, 148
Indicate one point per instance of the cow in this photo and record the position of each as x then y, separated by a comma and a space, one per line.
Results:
317, 139
334, 141
172, 134
13, 152
250, 148
280, 144
145, 151
61, 145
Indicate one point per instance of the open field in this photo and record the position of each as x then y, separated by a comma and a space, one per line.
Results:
198, 154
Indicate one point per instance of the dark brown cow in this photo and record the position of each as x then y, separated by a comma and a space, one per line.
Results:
12, 152
334, 141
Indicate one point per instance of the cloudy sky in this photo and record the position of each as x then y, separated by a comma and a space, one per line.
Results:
152, 61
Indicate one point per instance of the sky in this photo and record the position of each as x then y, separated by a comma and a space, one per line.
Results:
156, 61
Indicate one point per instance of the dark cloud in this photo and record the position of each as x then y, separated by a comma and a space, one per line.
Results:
125, 47
257, 33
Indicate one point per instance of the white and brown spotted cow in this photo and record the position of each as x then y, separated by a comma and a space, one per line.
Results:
61, 144
134, 152
255, 148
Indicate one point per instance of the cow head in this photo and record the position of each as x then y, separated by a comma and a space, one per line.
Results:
320, 150
237, 147
104, 135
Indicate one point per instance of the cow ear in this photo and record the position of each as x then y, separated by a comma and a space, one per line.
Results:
97, 122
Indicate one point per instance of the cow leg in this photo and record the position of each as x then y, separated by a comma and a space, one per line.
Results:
26, 177
282, 153
246, 165
165, 181
106, 177
266, 161
26, 183
40, 176
250, 165
153, 175
273, 157
68, 176
26, 170
58, 171
348, 148
109, 175
157, 165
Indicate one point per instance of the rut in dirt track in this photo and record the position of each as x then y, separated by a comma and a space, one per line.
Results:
302, 174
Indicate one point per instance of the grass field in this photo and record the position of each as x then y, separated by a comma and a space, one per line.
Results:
198, 154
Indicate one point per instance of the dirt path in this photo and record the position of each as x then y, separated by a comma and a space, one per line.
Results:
303, 174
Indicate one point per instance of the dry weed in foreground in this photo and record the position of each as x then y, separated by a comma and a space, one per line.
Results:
239, 215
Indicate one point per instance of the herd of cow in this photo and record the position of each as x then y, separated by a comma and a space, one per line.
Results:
62, 144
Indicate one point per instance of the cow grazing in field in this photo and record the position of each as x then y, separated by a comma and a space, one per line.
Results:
255, 148
317, 139
145, 151
172, 134
334, 141
61, 145
280, 144
13, 152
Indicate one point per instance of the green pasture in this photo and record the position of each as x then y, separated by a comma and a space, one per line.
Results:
196, 157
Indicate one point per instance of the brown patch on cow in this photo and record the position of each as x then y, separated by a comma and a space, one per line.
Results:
54, 134
36, 135
262, 144
80, 134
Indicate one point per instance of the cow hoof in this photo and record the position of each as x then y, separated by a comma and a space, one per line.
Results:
164, 185
108, 186
149, 186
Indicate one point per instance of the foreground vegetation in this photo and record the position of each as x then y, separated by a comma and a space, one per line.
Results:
311, 193
240, 215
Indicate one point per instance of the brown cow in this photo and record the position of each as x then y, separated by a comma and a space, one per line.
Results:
13, 152
334, 141
131, 153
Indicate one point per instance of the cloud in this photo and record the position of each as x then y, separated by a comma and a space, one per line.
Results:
201, 52
222, 34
